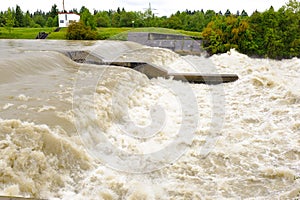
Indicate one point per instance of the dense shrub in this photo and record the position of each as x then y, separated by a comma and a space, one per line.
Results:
79, 31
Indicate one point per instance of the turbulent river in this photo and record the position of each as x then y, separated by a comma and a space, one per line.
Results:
73, 130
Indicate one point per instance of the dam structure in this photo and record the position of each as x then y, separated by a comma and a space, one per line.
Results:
180, 44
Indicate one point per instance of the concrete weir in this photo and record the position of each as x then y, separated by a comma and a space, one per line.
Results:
153, 71
178, 43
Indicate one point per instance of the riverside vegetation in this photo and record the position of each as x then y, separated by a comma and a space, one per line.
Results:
272, 33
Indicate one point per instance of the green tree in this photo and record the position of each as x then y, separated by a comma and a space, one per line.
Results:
39, 18
276, 34
82, 9
55, 21
227, 13
2, 19
185, 19
28, 21
9, 20
266, 31
87, 18
290, 28
102, 19
140, 22
115, 19
49, 22
126, 19
294, 6
194, 21
19, 22
173, 22
54, 11
244, 14
224, 33
209, 16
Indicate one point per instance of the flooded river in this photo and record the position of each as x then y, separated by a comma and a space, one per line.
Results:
84, 131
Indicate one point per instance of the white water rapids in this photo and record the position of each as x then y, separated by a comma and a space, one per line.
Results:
245, 135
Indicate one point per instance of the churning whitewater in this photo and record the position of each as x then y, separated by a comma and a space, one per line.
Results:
73, 130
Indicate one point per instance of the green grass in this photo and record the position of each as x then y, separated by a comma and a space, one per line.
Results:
22, 33
61, 35
102, 33
112, 33
121, 33
191, 33
31, 33
166, 31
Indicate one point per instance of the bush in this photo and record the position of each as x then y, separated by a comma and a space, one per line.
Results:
36, 26
79, 31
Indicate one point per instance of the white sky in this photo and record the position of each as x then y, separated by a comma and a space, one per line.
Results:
162, 7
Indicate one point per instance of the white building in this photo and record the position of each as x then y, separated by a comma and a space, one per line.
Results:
64, 19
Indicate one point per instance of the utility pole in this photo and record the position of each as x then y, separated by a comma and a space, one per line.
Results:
149, 11
63, 5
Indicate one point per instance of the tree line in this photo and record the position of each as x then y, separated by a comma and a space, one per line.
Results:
15, 17
186, 20
273, 34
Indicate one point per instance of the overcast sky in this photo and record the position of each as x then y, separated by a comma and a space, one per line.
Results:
160, 7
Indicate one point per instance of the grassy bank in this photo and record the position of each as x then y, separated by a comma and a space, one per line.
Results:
30, 33
102, 33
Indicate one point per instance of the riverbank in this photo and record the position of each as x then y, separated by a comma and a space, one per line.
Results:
102, 33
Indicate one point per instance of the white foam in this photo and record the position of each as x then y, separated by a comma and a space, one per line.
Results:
255, 149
